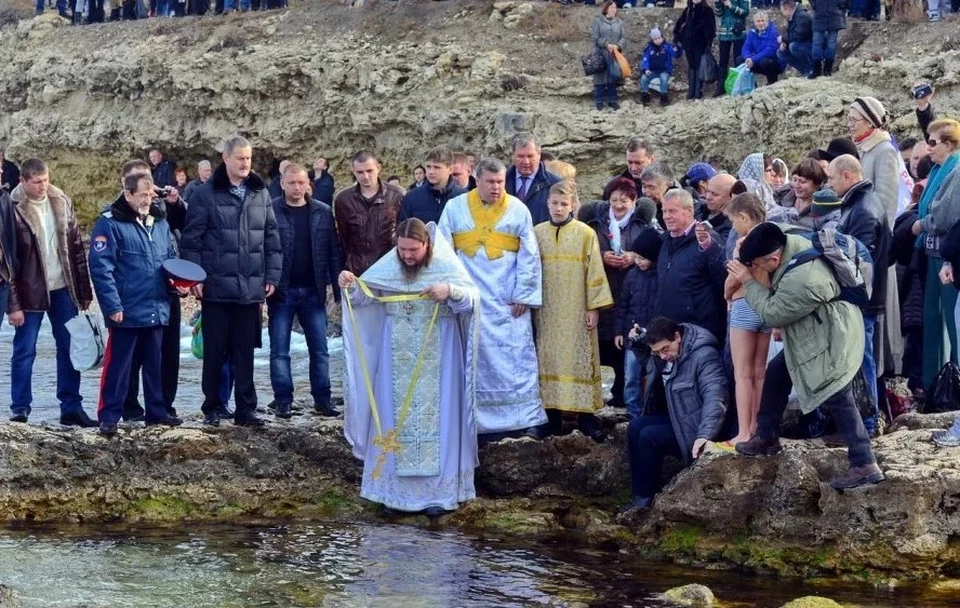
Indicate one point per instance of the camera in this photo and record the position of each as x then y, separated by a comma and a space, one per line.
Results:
637, 338
922, 90
162, 192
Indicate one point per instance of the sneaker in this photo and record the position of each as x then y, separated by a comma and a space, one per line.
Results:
78, 418
435, 512
759, 447
108, 429
251, 421
168, 421
943, 439
211, 419
324, 408
854, 477
225, 412
283, 410
18, 417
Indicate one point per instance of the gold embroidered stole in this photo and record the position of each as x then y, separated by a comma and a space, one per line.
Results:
485, 220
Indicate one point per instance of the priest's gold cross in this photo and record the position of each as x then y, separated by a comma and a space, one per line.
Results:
387, 443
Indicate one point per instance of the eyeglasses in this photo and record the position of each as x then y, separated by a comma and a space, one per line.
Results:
855, 119
660, 351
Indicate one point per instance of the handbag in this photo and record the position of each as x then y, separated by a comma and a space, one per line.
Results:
593, 62
86, 341
625, 71
709, 70
944, 393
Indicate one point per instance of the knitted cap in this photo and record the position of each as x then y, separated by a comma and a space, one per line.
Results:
655, 33
648, 244
699, 172
645, 209
825, 202
872, 110
763, 240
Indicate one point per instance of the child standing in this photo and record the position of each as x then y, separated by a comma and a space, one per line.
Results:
634, 309
657, 62
574, 290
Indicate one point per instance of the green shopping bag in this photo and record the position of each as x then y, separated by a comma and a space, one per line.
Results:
196, 343
732, 75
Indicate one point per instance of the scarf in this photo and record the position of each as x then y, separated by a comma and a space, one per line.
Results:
615, 227
934, 181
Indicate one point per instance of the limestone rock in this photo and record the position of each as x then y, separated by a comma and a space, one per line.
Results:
8, 598
695, 596
812, 601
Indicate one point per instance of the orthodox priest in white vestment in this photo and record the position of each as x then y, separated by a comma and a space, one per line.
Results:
492, 232
409, 336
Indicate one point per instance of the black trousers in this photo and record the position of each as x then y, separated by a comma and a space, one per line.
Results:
233, 329
169, 368
724, 61
769, 68
613, 357
695, 90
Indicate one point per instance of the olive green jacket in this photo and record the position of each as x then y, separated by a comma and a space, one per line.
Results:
823, 337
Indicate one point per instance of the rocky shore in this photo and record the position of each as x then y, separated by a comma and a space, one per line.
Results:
775, 515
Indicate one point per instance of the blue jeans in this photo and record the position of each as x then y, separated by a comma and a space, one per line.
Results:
634, 369
797, 56
61, 6
4, 297
824, 45
61, 310
229, 4
870, 370
650, 439
310, 308
664, 81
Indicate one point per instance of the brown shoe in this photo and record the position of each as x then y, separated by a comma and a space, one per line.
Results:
834, 441
854, 477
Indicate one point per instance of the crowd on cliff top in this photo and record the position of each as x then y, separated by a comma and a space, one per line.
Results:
480, 303
99, 11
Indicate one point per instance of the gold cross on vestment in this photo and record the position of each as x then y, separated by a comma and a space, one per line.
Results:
387, 443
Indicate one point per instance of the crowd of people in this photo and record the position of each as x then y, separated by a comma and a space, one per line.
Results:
480, 303
99, 11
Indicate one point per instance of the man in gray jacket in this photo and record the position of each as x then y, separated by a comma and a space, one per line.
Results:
684, 406
231, 231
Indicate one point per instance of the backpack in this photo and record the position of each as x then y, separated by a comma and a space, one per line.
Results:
847, 257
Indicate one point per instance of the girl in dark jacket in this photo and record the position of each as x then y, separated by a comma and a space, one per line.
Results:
694, 33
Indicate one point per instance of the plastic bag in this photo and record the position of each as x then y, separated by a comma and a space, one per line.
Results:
708, 69
196, 342
944, 393
86, 341
745, 83
625, 71
732, 75
614, 73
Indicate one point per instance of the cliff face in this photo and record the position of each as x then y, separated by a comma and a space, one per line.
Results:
326, 79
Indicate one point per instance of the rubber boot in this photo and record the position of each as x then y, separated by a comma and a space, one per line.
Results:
664, 99
644, 97
817, 70
827, 67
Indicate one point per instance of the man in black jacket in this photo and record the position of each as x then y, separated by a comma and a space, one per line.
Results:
8, 249
311, 261
323, 184
528, 178
797, 44
163, 169
639, 157
862, 216
9, 173
231, 231
426, 202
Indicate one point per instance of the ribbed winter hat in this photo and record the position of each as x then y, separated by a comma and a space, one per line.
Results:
824, 202
872, 110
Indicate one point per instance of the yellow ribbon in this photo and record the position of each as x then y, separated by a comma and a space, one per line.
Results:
389, 442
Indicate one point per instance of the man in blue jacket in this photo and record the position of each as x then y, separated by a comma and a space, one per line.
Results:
426, 201
130, 242
311, 261
528, 178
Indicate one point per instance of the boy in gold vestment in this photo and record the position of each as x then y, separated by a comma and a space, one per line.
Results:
574, 290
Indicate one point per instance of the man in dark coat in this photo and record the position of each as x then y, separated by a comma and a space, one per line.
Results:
8, 249
694, 32
690, 269
323, 184
862, 216
829, 17
797, 44
426, 202
684, 406
9, 173
163, 169
231, 231
528, 178
639, 157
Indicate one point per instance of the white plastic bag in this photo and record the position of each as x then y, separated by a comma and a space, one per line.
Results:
86, 341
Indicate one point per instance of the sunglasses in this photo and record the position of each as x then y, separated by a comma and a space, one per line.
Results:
933, 143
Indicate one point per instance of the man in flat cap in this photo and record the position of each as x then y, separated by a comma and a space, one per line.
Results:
823, 340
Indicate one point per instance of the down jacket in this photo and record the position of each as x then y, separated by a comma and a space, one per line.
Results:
696, 392
862, 217
125, 265
235, 241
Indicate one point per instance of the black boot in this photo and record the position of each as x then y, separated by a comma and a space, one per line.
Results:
644, 98
817, 70
828, 67
664, 99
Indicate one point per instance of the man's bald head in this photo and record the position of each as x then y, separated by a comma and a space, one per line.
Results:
719, 192
843, 173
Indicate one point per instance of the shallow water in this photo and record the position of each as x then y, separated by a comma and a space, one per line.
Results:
189, 394
344, 564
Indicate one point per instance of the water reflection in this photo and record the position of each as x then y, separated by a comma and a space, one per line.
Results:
350, 565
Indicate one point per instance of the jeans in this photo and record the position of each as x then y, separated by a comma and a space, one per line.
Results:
870, 369
634, 369
693, 73
229, 4
797, 56
650, 439
824, 45
4, 297
310, 308
605, 92
840, 406
62, 309
724, 60
664, 82
61, 6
